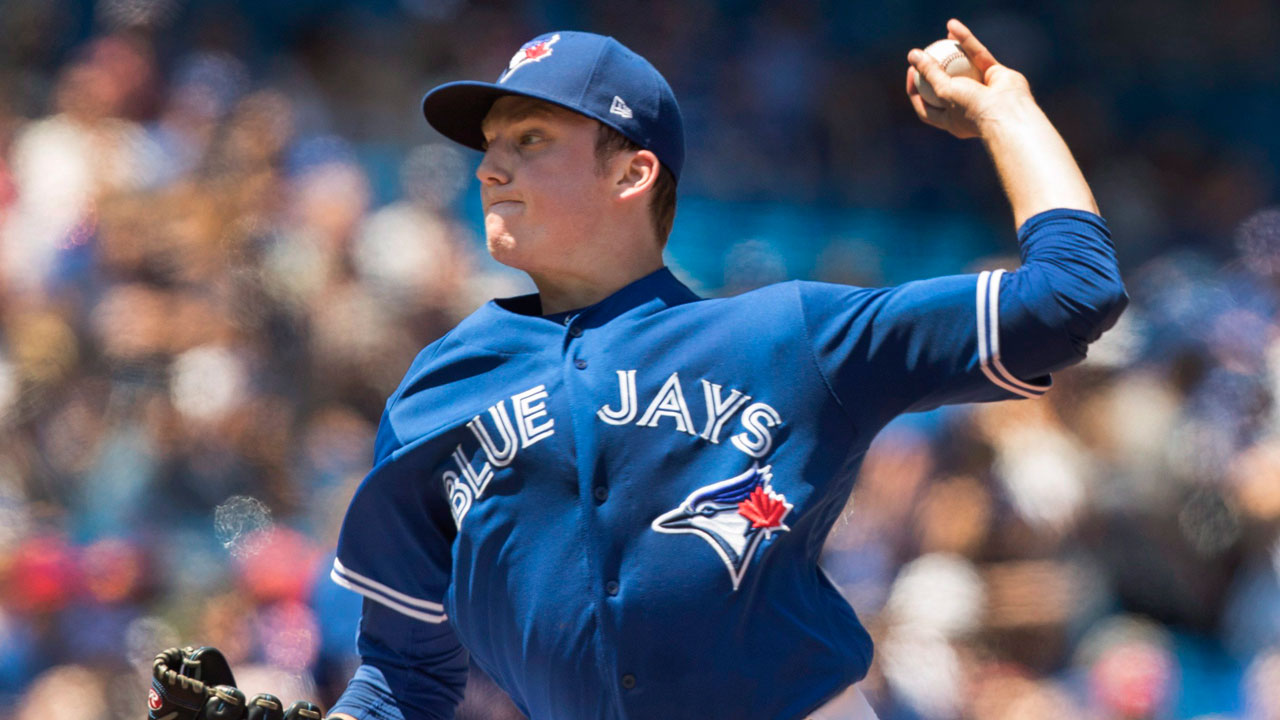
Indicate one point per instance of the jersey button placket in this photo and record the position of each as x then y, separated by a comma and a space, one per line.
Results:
580, 364
601, 493
612, 587
628, 681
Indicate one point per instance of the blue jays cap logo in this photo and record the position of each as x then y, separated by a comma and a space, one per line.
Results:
735, 516
531, 52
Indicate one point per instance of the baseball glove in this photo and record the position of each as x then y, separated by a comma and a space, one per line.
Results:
197, 684
182, 682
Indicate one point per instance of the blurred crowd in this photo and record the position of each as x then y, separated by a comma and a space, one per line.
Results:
225, 231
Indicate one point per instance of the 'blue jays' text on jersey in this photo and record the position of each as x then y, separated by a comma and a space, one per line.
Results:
620, 510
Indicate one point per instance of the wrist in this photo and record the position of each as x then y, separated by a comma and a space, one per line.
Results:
1013, 115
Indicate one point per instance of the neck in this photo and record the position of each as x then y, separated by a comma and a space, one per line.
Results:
559, 293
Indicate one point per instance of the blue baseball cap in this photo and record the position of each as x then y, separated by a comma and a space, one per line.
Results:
587, 73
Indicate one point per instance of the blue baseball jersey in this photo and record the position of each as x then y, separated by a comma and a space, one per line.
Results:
619, 510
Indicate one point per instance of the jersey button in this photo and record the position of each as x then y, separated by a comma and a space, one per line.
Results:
611, 587
580, 364
601, 492
628, 681
575, 331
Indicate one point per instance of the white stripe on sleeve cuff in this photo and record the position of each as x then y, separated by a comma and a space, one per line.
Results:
416, 608
988, 304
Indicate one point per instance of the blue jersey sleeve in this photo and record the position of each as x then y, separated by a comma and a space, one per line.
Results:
987, 336
411, 670
396, 539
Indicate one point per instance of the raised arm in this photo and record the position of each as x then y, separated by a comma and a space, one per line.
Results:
1035, 166
993, 335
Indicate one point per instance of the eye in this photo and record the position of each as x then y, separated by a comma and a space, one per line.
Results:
530, 138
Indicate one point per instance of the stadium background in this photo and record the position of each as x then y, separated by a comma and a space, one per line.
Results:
225, 230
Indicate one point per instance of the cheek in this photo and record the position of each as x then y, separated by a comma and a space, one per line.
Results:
567, 199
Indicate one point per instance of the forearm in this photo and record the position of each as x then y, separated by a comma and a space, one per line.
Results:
1034, 164
411, 670
387, 692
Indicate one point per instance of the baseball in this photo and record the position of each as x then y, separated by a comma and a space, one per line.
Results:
952, 59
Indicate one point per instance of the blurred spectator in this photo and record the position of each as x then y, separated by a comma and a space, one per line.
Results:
225, 234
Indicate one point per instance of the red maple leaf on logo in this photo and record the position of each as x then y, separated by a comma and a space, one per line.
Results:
537, 50
764, 509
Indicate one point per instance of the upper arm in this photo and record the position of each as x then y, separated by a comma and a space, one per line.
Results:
395, 546
967, 338
921, 344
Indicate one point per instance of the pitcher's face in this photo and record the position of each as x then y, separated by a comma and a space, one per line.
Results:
539, 182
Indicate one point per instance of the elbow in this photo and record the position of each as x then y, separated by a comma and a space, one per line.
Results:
1112, 304
1096, 311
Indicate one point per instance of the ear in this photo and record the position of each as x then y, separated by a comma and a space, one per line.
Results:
638, 175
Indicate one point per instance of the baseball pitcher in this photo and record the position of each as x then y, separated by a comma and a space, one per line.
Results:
612, 494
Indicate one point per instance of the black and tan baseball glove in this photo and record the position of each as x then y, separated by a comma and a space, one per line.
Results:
197, 684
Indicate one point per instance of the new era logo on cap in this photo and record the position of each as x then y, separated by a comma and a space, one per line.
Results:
620, 108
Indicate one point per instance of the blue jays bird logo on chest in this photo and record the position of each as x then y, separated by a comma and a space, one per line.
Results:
734, 516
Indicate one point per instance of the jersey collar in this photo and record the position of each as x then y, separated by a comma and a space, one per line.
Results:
514, 325
652, 293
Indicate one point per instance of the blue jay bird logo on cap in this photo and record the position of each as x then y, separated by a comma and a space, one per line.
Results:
734, 516
531, 52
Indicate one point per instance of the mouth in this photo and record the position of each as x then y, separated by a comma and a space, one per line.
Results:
503, 205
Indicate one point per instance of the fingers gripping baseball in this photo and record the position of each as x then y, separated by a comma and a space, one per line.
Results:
978, 53
964, 103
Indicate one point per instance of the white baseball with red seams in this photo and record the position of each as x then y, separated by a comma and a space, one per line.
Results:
951, 57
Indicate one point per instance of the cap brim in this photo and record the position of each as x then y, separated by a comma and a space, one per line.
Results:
457, 109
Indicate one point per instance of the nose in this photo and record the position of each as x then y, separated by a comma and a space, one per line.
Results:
493, 170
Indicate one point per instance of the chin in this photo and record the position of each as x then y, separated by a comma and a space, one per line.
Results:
507, 250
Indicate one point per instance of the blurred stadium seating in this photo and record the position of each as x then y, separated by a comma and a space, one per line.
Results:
225, 231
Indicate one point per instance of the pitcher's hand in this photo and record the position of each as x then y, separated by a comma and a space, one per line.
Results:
971, 105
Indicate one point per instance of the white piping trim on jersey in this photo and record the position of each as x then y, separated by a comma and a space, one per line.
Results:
402, 609
375, 586
988, 304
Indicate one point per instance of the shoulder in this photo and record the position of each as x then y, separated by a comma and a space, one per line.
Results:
778, 297
773, 311
422, 401
423, 364
458, 346
788, 301
807, 298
